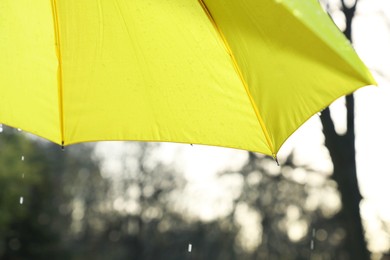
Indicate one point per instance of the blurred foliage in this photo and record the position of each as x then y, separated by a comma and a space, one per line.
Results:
25, 190
297, 207
74, 209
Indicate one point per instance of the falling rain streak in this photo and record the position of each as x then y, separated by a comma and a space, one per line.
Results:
313, 234
21, 197
189, 247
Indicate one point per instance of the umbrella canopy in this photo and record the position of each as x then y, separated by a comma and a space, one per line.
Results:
234, 73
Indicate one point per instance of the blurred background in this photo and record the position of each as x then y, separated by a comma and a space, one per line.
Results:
131, 200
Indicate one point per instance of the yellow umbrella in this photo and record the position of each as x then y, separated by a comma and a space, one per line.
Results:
234, 73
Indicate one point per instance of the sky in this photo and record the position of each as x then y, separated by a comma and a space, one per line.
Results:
372, 39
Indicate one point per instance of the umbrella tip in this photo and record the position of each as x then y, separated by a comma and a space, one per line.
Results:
276, 159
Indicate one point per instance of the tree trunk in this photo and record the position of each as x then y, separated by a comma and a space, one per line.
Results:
342, 153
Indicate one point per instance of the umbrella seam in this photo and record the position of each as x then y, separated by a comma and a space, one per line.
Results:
59, 69
237, 69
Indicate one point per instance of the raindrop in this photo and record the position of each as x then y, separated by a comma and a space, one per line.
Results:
1, 128
321, 235
189, 247
297, 13
313, 234
14, 244
114, 236
19, 129
22, 175
22, 158
21, 200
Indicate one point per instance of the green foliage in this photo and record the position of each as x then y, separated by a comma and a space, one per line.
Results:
35, 183
71, 212
74, 208
16, 177
22, 169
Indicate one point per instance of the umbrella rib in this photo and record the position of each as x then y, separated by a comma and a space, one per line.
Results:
59, 69
237, 68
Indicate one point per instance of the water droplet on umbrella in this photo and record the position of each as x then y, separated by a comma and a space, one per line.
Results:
21, 200
1, 128
297, 13
19, 129
189, 247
